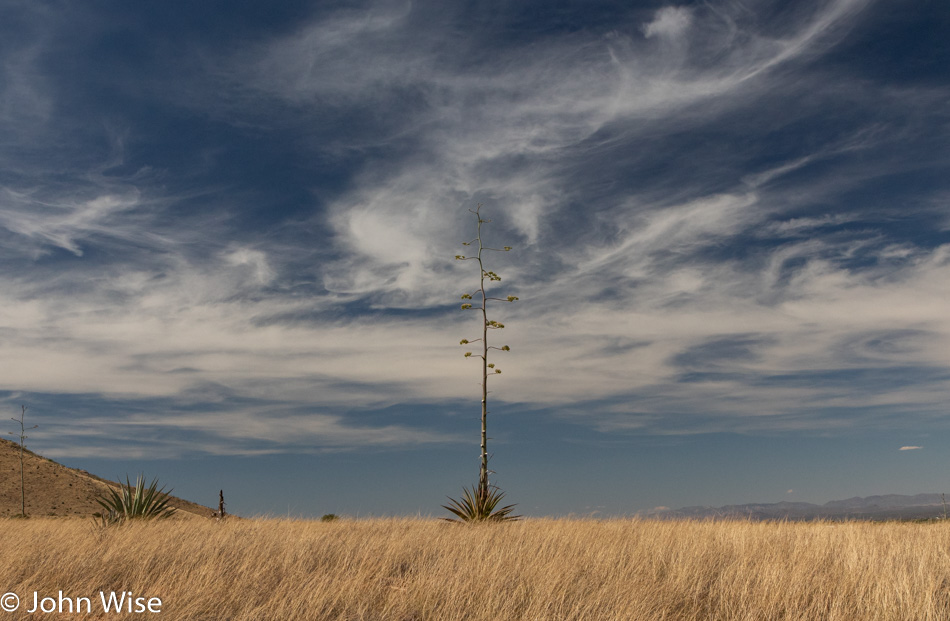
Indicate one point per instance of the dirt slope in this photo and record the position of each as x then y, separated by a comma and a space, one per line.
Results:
52, 489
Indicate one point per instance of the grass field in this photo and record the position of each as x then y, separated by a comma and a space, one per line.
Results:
415, 569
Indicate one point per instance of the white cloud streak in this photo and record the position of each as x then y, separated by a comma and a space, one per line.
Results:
669, 22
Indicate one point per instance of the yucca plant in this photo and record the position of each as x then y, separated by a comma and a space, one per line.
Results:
480, 505
134, 503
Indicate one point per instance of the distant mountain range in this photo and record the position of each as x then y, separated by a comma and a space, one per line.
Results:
887, 507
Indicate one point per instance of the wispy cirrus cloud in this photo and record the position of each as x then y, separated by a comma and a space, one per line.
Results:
707, 207
477, 133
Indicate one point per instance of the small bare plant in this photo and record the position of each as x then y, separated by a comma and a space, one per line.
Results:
482, 502
22, 435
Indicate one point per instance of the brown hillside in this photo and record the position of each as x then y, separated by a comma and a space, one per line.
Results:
52, 489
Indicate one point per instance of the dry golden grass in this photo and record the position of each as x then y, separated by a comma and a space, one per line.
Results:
413, 569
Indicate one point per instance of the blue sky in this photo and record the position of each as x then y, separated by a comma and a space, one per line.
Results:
227, 233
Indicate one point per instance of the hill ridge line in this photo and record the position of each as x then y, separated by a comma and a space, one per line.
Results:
55, 490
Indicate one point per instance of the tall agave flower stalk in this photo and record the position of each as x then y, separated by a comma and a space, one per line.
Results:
481, 502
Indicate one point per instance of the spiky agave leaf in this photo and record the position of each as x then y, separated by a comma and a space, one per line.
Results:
135, 502
480, 506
